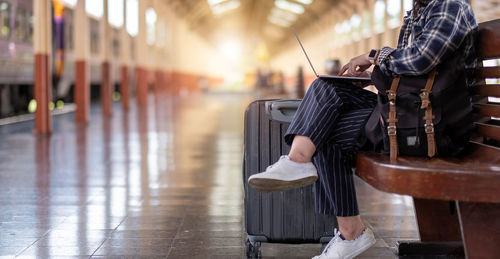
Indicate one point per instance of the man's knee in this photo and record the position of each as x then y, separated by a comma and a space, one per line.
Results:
319, 85
323, 87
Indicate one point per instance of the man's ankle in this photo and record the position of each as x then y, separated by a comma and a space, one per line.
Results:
352, 234
299, 158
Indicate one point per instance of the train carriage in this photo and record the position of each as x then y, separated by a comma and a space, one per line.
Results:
16, 55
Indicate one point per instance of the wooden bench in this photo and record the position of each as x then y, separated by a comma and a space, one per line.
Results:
457, 200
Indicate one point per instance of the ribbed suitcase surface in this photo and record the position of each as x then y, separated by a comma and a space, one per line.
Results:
282, 217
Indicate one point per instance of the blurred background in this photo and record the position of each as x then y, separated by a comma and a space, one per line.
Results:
187, 46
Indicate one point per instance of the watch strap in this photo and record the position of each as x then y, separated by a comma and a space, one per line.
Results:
371, 56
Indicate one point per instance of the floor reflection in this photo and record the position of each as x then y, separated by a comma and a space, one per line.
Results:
157, 181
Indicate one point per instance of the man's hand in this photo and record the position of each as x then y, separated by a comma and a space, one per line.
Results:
357, 66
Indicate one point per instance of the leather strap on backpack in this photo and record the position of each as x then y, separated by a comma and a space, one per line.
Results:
391, 128
426, 104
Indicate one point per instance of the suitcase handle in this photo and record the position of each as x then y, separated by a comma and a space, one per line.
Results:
282, 110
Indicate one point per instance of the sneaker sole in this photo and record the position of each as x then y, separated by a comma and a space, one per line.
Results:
361, 250
273, 185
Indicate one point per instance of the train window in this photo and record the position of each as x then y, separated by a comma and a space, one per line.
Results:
31, 19
116, 47
115, 43
94, 36
4, 20
21, 24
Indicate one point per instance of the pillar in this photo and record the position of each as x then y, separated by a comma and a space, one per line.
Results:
106, 76
43, 75
170, 52
158, 82
141, 58
157, 52
125, 62
82, 53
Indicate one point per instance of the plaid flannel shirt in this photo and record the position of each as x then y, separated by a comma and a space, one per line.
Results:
440, 28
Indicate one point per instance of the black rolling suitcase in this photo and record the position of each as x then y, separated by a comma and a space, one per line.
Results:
280, 217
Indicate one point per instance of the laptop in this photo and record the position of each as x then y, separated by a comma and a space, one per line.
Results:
340, 78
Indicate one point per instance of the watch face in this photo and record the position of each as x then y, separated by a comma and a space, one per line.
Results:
372, 53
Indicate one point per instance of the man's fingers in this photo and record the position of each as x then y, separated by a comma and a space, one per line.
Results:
352, 69
344, 68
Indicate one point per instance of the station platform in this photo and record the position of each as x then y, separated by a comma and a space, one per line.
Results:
163, 181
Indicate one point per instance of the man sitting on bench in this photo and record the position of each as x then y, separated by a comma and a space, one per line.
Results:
326, 130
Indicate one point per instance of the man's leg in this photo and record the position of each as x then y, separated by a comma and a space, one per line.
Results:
302, 149
351, 227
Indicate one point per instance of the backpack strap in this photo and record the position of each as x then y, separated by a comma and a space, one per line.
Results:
391, 128
426, 104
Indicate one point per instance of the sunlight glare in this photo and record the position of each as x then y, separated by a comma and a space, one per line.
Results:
231, 50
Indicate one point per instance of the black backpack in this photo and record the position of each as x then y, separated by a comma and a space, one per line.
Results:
443, 127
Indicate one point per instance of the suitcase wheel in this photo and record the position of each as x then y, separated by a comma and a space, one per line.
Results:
253, 250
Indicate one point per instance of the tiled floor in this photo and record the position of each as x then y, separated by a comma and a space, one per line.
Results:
163, 181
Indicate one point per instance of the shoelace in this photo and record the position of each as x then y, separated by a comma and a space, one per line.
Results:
271, 166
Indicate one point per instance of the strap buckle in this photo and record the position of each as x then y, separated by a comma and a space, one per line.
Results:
391, 95
391, 130
429, 128
425, 95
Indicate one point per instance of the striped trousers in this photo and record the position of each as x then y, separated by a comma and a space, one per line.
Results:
333, 115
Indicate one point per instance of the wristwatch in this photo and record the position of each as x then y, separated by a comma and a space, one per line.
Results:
372, 55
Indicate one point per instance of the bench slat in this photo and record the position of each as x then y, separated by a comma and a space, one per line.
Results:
474, 178
489, 72
489, 39
488, 130
487, 90
490, 110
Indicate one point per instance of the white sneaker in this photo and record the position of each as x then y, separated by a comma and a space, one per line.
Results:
283, 175
347, 249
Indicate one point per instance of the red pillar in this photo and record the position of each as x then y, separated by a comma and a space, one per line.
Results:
168, 82
174, 82
43, 86
141, 86
158, 83
125, 88
82, 92
106, 89
107, 86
